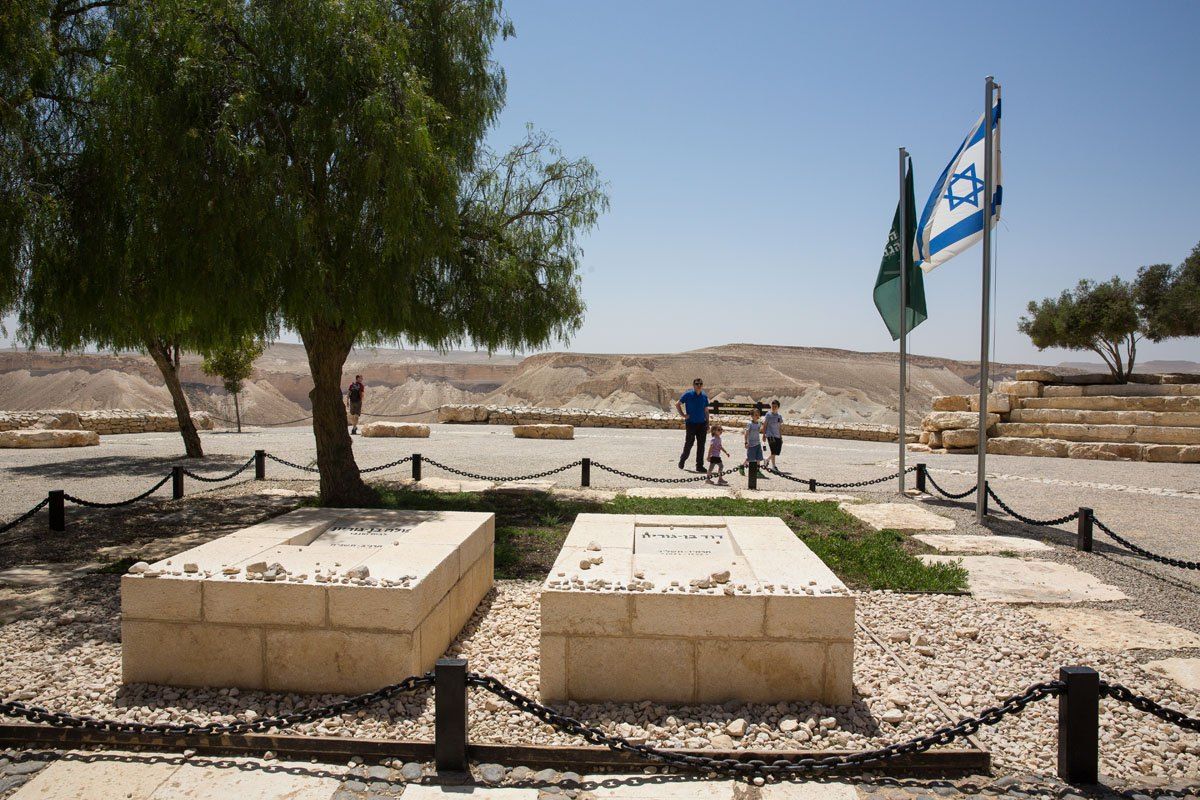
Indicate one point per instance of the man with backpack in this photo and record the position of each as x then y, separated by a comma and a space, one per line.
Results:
355, 395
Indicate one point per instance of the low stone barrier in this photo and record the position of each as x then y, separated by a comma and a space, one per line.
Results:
34, 438
587, 418
544, 431
105, 422
402, 430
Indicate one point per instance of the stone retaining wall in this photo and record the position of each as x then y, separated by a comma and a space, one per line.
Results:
586, 418
107, 422
1040, 413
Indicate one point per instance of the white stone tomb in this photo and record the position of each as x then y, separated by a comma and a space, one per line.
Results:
317, 600
693, 610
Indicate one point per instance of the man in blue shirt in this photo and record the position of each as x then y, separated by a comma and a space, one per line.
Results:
692, 405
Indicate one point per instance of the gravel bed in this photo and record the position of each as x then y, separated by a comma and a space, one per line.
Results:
970, 653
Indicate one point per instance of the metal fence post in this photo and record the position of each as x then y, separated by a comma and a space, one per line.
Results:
812, 484
450, 714
752, 482
1083, 530
921, 478
176, 483
416, 467
260, 465
585, 472
985, 498
58, 510
1079, 725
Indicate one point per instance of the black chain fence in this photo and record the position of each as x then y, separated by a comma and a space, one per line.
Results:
781, 767
8, 526
79, 501
292, 464
648, 479
951, 495
503, 478
1174, 562
1044, 523
388, 465
219, 478
850, 485
60, 719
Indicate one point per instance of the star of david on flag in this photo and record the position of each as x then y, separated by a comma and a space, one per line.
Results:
952, 220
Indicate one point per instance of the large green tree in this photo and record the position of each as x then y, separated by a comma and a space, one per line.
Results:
1100, 317
103, 243
1169, 298
339, 143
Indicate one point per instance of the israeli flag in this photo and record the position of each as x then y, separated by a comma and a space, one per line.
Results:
953, 217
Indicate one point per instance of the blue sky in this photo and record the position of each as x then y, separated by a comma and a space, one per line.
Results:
750, 151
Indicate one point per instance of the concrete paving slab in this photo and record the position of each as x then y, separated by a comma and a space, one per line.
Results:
701, 490
807, 791
453, 485
981, 545
598, 495
812, 497
251, 779
1184, 671
898, 517
98, 777
995, 579
1113, 630
525, 486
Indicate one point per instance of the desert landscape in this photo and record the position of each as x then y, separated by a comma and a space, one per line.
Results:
811, 383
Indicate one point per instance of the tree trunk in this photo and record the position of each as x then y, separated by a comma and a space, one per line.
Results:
237, 412
341, 485
161, 354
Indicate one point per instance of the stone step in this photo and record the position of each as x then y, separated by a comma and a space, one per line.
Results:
1096, 451
1112, 403
1170, 419
1120, 390
1140, 434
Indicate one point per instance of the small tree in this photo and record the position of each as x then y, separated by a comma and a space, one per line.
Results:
1100, 317
233, 363
1169, 298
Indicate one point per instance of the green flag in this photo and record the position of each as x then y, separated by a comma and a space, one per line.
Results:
887, 285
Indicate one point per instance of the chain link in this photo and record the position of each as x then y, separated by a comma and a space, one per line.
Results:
952, 495
732, 766
1143, 703
388, 465
219, 478
1121, 540
293, 465
79, 501
501, 479
1045, 523
692, 479
59, 719
8, 526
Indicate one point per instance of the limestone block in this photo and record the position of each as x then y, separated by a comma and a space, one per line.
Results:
434, 636
631, 669
698, 615
960, 438
1090, 433
998, 403
1166, 434
951, 402
1172, 453
586, 612
898, 516
1019, 388
59, 420
544, 431
1042, 375
953, 420
200, 654
924, 438
809, 617
29, 438
1184, 671
552, 679
1105, 451
160, 598
263, 603
403, 430
764, 671
338, 662
935, 439
1019, 429
1006, 446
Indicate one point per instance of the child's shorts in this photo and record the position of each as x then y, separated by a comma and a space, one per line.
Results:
775, 443
715, 461
754, 453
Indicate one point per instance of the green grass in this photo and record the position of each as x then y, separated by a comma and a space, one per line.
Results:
531, 526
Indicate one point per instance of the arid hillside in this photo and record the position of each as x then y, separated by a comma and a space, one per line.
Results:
810, 382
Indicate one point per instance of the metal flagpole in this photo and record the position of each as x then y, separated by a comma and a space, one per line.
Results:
905, 255
988, 181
